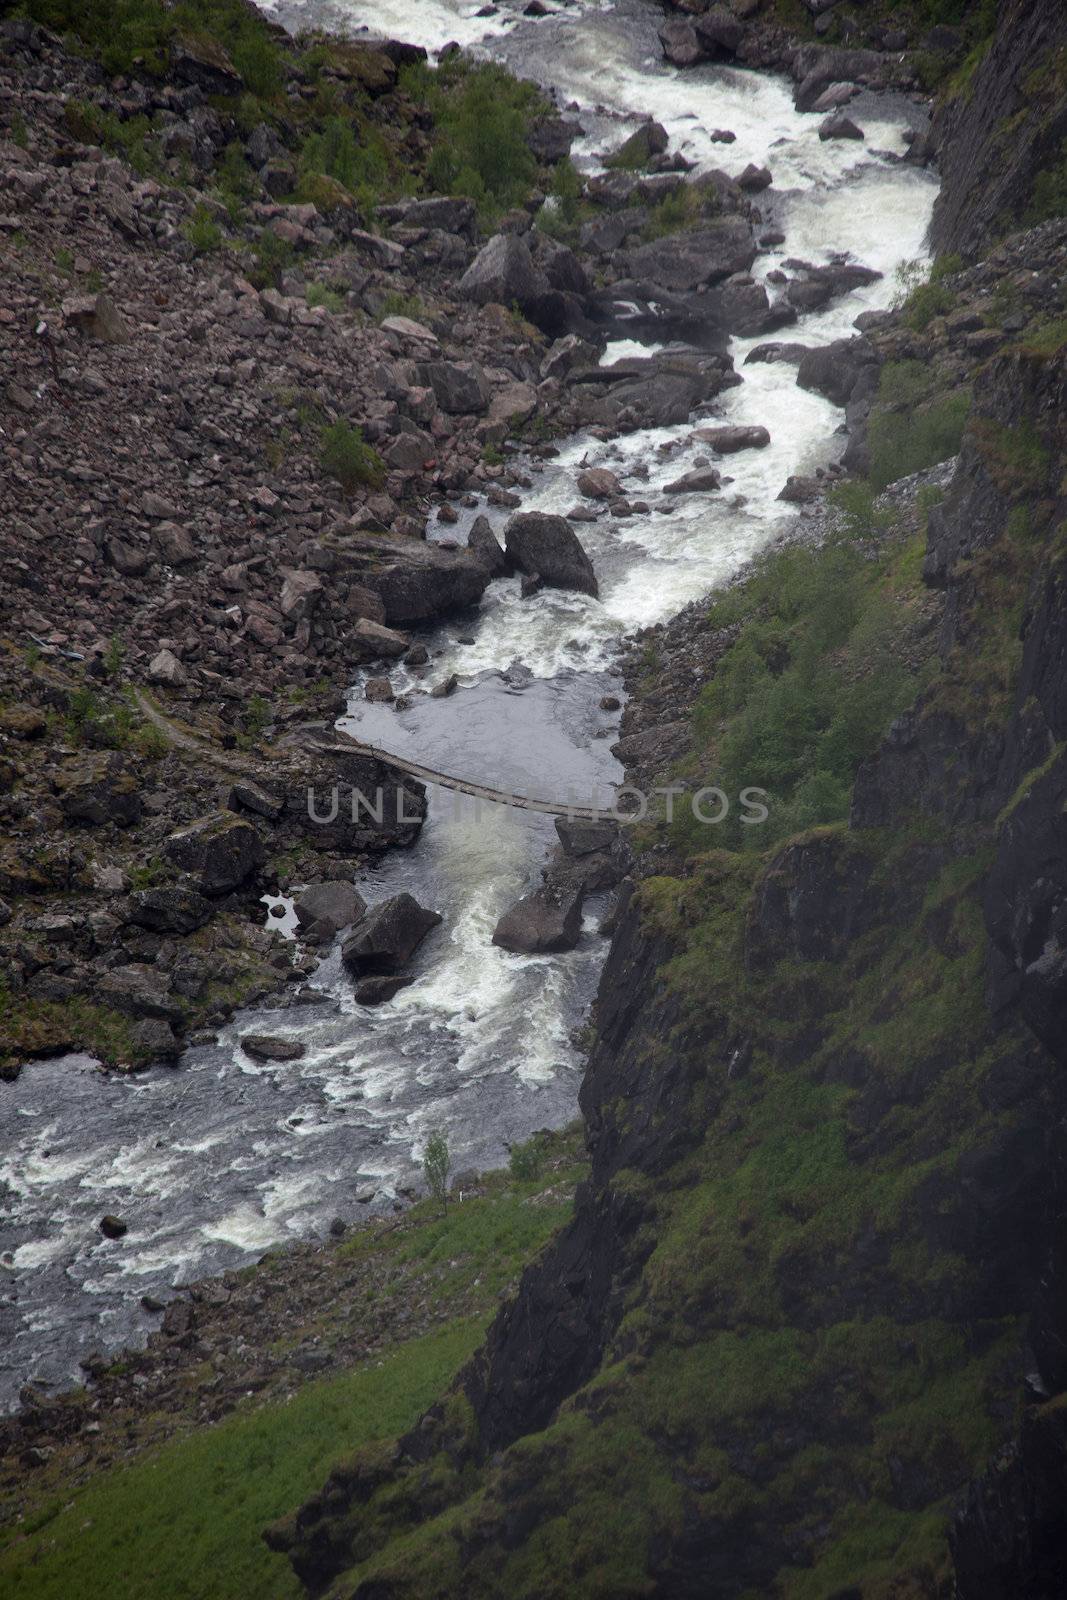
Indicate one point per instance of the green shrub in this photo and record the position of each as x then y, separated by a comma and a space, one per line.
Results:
676, 211
436, 1165
924, 303
133, 139
319, 294
855, 499
347, 457
235, 178
256, 58
273, 255
560, 215
358, 159
396, 304
126, 34
482, 115
806, 688
907, 441
1048, 197
202, 231
526, 1161
257, 718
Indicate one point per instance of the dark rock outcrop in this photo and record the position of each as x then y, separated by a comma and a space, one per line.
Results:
218, 852
387, 936
997, 139
537, 542
415, 581
694, 260
548, 919
325, 908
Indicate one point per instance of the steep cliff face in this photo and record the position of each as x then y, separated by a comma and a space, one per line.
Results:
788, 1322
1001, 131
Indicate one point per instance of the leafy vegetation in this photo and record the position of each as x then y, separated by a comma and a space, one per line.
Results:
202, 231
196, 1507
125, 34
436, 1166
912, 424
817, 671
676, 211
482, 116
346, 456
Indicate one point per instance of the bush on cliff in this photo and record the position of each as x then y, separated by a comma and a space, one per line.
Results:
818, 670
346, 456
125, 33
482, 115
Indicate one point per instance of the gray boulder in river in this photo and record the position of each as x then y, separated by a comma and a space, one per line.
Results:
537, 542
388, 936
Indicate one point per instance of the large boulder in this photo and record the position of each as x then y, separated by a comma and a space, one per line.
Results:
536, 542
816, 67
680, 44
329, 907
460, 387
138, 991
271, 1047
220, 852
546, 920
561, 266
449, 213
417, 582
99, 790
387, 936
834, 369
598, 483
301, 593
719, 32
726, 440
686, 261
697, 481
503, 271
637, 151
370, 641
484, 544
550, 137
791, 354
170, 908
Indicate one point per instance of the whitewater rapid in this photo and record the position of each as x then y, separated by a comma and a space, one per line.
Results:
213, 1162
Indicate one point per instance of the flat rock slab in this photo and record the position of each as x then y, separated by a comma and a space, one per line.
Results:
268, 1047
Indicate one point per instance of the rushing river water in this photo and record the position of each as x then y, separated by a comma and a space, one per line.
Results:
212, 1162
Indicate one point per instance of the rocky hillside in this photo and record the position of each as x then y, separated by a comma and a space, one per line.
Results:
269, 305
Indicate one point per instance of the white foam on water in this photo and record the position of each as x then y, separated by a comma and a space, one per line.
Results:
431, 23
627, 350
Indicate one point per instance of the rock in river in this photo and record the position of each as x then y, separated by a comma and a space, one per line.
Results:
388, 936
329, 907
547, 545
546, 920
269, 1047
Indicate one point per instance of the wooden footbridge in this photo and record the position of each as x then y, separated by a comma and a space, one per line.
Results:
343, 744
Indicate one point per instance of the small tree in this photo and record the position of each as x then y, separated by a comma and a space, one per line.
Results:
436, 1165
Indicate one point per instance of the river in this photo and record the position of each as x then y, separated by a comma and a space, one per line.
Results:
214, 1161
